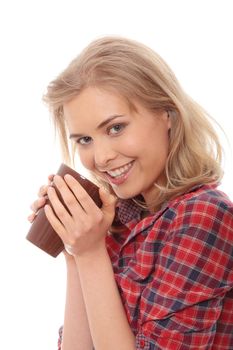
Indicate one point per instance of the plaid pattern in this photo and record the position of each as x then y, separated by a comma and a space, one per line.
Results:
174, 271
60, 338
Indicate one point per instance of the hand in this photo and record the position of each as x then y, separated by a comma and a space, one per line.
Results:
40, 202
84, 227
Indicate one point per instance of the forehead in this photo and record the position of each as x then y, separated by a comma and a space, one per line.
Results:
95, 103
92, 107
96, 97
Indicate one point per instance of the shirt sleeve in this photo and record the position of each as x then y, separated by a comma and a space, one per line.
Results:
182, 301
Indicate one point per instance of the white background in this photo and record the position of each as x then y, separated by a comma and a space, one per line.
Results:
38, 39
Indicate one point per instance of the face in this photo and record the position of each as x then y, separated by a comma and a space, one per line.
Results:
123, 146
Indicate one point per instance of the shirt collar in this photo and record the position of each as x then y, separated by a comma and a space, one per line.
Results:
128, 211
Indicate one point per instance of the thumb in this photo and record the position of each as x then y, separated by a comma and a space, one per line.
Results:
108, 200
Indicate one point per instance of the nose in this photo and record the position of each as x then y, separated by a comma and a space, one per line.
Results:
103, 154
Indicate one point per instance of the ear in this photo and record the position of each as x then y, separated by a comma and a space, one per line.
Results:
167, 119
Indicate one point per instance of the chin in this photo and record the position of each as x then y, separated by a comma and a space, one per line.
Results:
125, 194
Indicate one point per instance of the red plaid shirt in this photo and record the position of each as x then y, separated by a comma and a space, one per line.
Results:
174, 271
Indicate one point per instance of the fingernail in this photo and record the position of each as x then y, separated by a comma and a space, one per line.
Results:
68, 176
50, 189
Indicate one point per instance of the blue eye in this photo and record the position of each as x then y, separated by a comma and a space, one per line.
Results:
115, 129
85, 140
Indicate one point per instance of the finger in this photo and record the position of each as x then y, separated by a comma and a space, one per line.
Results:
55, 222
43, 191
86, 202
50, 179
109, 202
31, 217
40, 202
68, 196
59, 209
107, 198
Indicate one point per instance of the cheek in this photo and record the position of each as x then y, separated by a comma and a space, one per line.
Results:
128, 146
157, 147
86, 159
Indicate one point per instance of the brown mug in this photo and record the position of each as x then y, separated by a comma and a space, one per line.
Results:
41, 233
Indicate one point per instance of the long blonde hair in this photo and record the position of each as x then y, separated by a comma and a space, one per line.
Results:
138, 73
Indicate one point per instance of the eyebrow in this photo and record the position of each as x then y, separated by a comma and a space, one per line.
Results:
100, 126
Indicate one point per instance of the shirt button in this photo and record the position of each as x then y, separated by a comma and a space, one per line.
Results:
142, 343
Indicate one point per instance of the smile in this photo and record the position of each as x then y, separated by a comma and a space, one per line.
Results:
118, 176
120, 171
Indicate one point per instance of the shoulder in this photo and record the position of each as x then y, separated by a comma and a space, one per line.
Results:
206, 207
205, 199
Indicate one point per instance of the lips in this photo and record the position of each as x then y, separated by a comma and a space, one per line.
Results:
119, 175
120, 171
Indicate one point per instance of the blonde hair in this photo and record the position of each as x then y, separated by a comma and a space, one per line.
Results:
138, 73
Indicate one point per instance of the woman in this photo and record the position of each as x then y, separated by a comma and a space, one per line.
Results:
153, 268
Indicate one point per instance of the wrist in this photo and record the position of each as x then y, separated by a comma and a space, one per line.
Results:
69, 259
95, 249
92, 255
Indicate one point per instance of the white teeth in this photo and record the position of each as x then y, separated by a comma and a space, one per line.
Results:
119, 171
